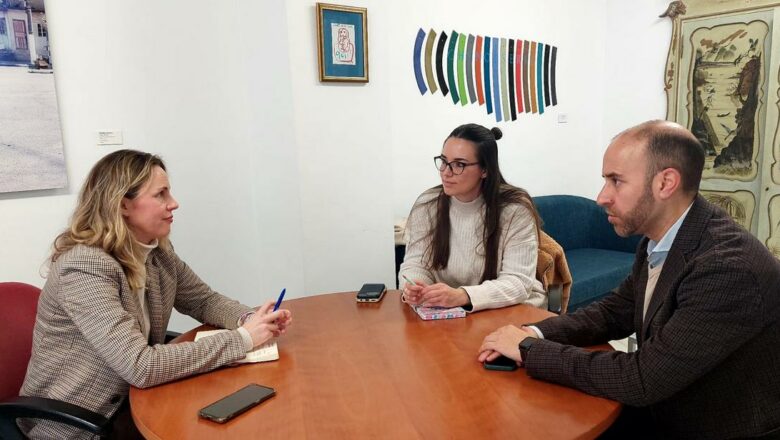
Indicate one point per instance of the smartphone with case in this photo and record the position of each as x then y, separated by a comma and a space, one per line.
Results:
236, 403
501, 363
371, 293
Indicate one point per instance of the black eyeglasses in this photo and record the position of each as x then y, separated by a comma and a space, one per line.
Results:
455, 167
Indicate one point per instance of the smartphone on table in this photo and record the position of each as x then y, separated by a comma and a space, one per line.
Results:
237, 403
501, 363
371, 293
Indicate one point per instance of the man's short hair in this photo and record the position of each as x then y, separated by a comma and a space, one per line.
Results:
671, 146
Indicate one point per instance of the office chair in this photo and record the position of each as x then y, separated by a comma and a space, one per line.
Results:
17, 318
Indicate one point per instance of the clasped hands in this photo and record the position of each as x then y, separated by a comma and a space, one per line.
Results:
265, 324
434, 295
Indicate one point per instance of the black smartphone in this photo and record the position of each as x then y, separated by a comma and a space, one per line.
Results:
501, 363
234, 404
371, 293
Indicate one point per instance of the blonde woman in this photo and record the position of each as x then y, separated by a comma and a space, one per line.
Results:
113, 282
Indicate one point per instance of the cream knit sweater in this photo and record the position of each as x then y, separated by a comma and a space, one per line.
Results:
518, 247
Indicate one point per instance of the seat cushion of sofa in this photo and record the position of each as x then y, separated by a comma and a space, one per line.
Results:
595, 272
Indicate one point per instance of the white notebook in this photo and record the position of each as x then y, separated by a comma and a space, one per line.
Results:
264, 353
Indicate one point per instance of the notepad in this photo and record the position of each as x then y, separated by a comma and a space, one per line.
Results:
429, 313
264, 353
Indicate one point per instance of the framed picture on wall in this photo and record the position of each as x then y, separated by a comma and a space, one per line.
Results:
31, 149
722, 82
342, 34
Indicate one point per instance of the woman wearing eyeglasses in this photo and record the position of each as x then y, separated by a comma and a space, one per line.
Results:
472, 241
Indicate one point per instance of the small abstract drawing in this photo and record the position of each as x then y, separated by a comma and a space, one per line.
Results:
735, 209
510, 77
343, 43
740, 205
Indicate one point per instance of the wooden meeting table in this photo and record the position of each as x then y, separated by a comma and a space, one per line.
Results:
367, 370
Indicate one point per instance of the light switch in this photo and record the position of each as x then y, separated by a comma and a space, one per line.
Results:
563, 118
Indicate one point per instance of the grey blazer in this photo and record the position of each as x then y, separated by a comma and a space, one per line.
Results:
88, 347
709, 347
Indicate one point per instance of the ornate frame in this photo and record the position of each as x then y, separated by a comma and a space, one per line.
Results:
722, 81
351, 64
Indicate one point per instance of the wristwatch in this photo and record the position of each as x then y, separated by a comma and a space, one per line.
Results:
525, 347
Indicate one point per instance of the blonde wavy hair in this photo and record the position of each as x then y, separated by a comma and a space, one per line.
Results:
97, 220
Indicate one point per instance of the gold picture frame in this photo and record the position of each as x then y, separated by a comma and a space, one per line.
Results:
342, 42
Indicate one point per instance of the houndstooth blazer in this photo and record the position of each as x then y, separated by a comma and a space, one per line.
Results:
709, 347
88, 347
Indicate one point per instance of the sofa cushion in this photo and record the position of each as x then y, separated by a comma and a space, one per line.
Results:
595, 272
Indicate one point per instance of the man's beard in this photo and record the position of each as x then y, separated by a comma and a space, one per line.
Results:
634, 219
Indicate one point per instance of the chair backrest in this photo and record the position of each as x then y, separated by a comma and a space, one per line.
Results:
577, 222
552, 271
18, 307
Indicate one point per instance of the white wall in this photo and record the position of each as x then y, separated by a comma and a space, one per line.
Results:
287, 182
536, 152
637, 47
611, 57
344, 151
209, 106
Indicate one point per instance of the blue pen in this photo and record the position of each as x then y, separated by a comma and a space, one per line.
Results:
279, 301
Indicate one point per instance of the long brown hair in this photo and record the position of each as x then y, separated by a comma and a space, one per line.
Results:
97, 220
496, 192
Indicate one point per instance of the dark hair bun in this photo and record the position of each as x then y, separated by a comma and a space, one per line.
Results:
497, 133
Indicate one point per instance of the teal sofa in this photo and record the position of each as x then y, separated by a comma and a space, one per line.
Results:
599, 259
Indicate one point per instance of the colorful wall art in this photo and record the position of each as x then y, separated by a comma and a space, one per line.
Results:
508, 76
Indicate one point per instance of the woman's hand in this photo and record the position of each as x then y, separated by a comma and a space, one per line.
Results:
265, 324
412, 293
442, 295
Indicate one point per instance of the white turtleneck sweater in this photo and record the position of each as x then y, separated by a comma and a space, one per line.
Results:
517, 253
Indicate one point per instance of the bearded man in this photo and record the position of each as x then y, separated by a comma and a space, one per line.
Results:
703, 298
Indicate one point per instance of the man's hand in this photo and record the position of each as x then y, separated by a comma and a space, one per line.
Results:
504, 341
442, 295
264, 325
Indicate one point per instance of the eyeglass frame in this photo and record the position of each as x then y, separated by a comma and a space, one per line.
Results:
446, 165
